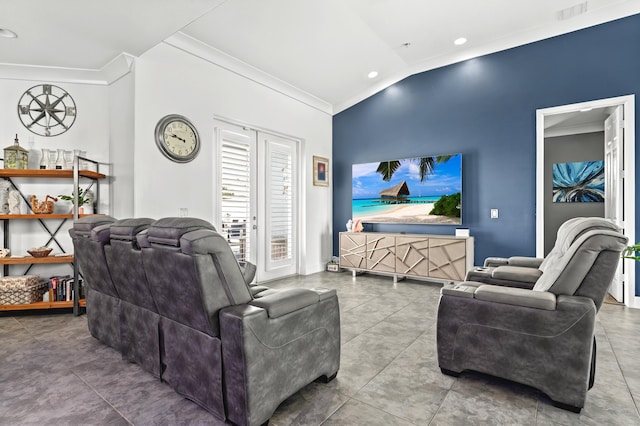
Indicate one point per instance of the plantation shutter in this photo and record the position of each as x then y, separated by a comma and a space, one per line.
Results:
235, 163
281, 202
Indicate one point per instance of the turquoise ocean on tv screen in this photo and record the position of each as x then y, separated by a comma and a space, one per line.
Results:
369, 206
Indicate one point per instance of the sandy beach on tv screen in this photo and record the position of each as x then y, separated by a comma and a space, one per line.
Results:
409, 213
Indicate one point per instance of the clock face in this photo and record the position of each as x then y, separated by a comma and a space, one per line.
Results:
47, 110
177, 138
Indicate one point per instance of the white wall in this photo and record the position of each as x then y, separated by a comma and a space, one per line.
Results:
169, 80
121, 145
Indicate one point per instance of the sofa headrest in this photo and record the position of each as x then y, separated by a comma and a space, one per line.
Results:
169, 230
574, 228
127, 229
84, 225
566, 273
570, 231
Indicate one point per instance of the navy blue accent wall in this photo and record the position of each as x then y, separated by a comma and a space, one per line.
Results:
485, 108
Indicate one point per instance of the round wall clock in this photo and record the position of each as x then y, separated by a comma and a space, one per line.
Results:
47, 110
177, 138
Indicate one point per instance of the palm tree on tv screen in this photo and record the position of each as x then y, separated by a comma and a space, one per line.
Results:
426, 165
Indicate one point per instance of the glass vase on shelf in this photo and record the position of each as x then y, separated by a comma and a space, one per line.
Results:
51, 164
44, 160
60, 160
68, 160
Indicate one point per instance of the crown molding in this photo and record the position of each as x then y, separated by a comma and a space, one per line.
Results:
217, 57
111, 72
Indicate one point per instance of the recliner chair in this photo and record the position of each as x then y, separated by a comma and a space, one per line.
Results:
543, 336
90, 235
234, 355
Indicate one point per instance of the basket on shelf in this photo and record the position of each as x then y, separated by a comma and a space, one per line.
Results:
18, 290
39, 251
42, 207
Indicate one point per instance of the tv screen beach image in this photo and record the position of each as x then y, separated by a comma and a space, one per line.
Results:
413, 190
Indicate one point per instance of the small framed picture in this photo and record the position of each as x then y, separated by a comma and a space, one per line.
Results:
320, 171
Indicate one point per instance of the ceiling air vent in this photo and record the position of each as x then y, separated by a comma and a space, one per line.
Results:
572, 11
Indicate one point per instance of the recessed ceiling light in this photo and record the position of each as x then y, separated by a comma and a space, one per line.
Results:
586, 109
460, 41
372, 74
7, 33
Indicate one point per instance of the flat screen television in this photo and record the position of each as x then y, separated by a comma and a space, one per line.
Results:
423, 190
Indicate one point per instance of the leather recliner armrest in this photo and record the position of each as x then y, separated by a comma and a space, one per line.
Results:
516, 273
495, 261
516, 296
524, 261
286, 301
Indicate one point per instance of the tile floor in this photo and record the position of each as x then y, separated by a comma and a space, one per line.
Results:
52, 372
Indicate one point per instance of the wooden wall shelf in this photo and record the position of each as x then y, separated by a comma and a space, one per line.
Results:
39, 216
35, 173
28, 260
42, 305
76, 174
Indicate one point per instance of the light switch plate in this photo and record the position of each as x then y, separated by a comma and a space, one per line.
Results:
494, 213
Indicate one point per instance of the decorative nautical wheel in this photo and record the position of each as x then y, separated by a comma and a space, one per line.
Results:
47, 110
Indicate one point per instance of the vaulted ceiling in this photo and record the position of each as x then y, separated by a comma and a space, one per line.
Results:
323, 47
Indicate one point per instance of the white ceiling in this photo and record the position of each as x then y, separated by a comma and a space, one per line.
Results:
323, 47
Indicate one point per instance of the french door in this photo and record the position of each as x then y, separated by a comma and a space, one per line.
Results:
257, 204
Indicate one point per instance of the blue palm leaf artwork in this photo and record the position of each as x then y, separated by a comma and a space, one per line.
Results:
579, 182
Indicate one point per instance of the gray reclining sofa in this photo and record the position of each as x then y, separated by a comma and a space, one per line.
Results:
236, 350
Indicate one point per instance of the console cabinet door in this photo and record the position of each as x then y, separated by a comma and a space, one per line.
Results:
412, 255
381, 253
353, 247
447, 258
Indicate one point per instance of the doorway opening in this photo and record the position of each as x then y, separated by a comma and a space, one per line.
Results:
590, 119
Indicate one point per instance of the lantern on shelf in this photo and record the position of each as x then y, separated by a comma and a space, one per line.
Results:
15, 156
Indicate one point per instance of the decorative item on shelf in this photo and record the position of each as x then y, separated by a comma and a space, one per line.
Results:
5, 188
4, 252
14, 202
82, 164
357, 226
51, 161
40, 251
42, 207
15, 156
85, 200
19, 290
60, 159
44, 160
349, 225
68, 160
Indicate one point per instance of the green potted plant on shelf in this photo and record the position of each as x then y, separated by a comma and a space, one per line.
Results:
85, 200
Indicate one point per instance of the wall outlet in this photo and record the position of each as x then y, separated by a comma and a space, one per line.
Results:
494, 213
183, 212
